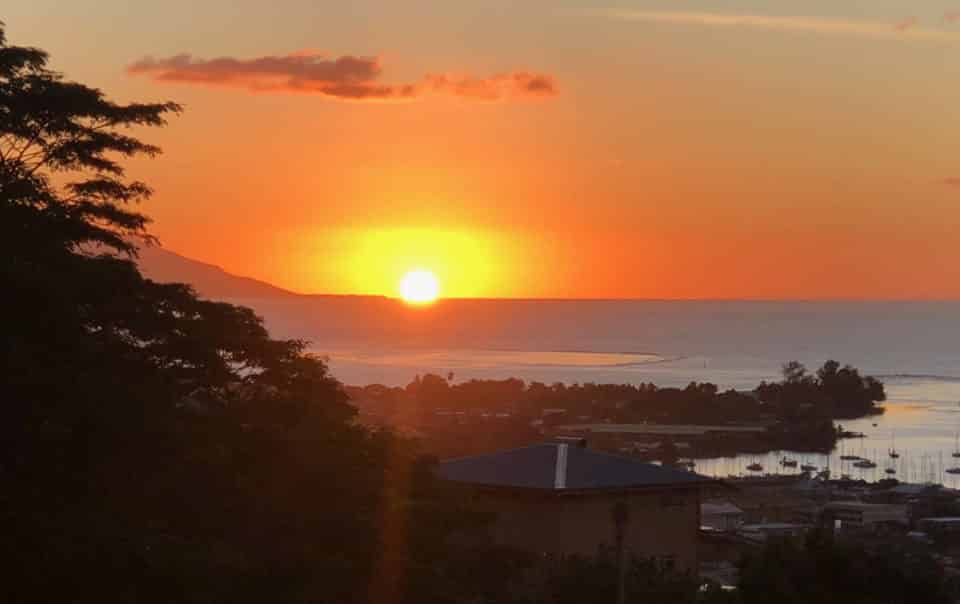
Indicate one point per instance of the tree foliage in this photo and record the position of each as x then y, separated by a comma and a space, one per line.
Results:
574, 580
835, 391
823, 570
158, 447
155, 445
472, 416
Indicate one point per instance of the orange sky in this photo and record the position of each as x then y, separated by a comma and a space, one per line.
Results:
668, 153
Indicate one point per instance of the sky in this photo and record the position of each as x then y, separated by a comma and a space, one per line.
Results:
584, 149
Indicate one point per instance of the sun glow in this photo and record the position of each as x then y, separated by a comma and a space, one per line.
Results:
419, 287
466, 263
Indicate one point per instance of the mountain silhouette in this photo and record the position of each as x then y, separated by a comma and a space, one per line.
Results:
209, 280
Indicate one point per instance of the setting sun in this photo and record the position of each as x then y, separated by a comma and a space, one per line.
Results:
419, 287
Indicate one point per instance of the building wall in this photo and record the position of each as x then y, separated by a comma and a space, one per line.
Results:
662, 525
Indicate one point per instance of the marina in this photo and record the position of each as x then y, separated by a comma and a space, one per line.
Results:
915, 440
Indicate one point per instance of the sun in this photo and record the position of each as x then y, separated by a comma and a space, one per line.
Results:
419, 287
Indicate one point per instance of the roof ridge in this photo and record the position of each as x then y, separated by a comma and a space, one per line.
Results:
561, 467
497, 452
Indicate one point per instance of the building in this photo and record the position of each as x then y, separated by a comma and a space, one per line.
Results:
761, 533
943, 529
905, 492
563, 498
721, 516
859, 515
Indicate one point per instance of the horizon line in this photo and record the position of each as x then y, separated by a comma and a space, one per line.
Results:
442, 299
281, 291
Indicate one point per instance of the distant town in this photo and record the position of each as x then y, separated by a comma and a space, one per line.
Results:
494, 429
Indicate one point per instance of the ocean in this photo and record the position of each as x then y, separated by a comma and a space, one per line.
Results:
913, 347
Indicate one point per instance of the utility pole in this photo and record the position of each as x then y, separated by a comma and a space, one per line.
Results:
621, 517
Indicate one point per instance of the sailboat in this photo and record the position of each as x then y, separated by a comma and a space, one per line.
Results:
864, 462
893, 446
845, 457
788, 463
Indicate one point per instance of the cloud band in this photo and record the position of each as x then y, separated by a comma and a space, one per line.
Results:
904, 29
344, 78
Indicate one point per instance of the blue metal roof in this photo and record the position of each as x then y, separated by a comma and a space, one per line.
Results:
561, 466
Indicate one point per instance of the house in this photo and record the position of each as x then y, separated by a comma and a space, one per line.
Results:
721, 516
564, 498
859, 515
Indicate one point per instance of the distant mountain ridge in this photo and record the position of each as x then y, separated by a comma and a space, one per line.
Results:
209, 280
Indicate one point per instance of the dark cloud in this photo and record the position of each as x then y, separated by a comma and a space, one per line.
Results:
347, 77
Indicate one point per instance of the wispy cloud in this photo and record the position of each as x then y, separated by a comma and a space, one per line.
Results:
519, 83
344, 78
952, 16
905, 29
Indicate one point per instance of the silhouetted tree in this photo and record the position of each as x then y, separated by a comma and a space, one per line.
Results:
578, 579
849, 394
821, 570
834, 392
155, 446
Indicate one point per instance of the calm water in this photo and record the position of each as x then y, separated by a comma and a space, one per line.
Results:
922, 419
914, 347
